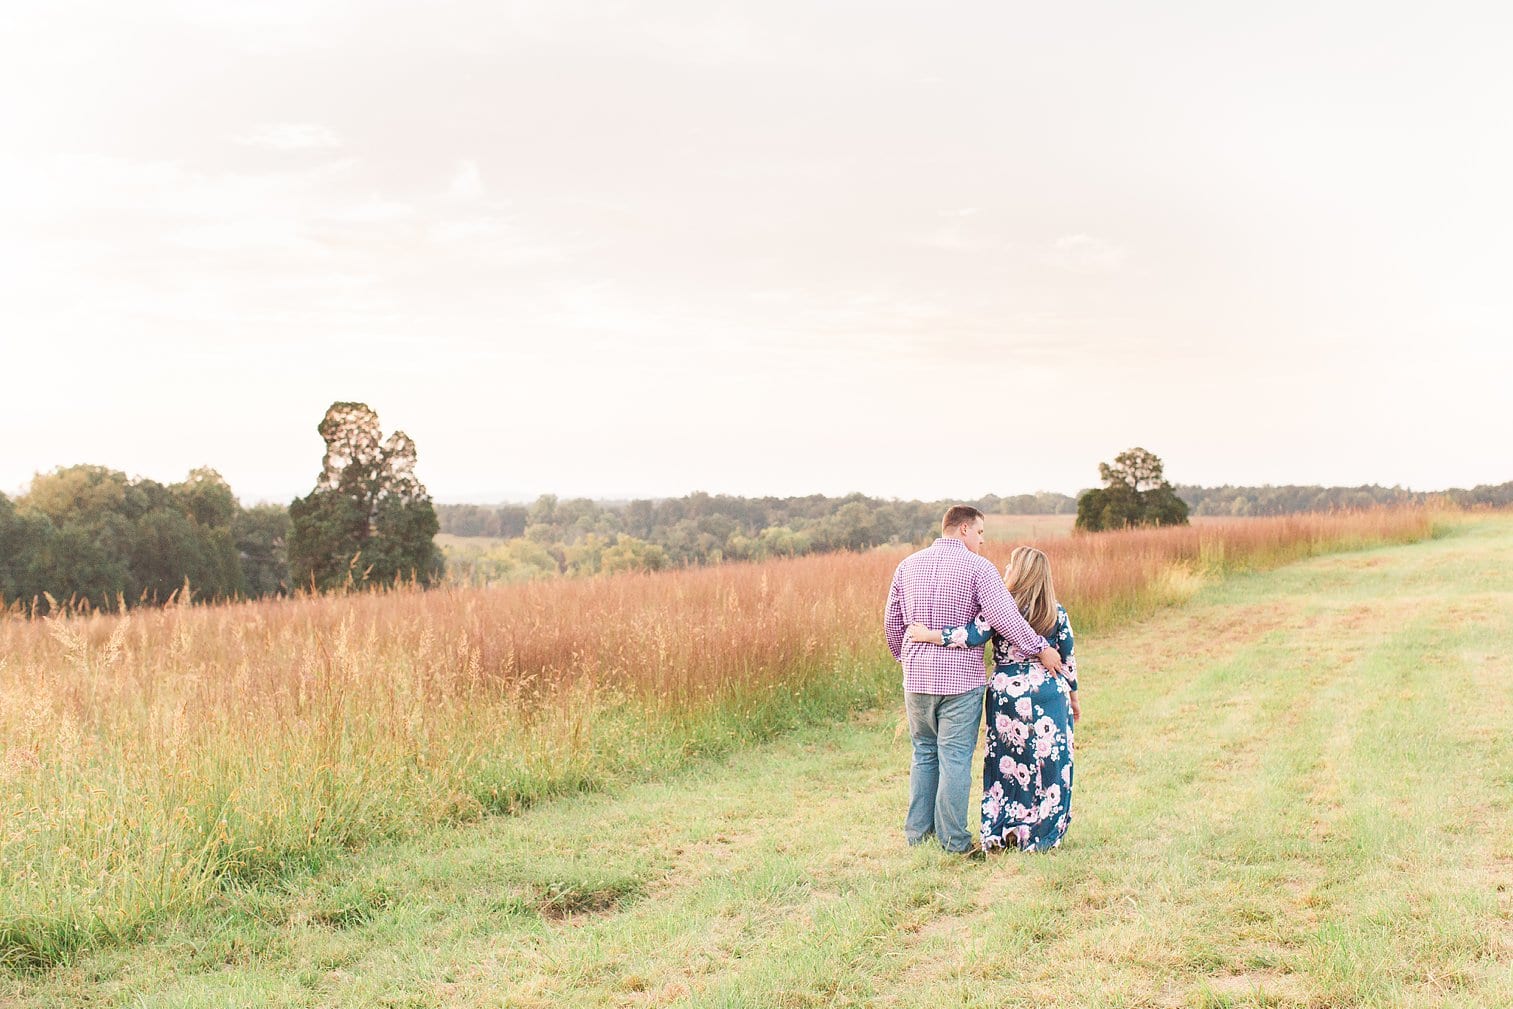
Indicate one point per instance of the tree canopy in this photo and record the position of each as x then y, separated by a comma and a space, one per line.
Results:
90, 533
1134, 493
369, 519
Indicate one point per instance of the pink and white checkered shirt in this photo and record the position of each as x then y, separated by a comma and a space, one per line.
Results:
947, 585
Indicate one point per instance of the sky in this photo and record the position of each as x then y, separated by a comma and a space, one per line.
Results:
780, 247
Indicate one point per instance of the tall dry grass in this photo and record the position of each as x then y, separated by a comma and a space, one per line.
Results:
1110, 578
150, 759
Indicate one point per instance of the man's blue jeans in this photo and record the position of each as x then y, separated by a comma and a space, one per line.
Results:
944, 729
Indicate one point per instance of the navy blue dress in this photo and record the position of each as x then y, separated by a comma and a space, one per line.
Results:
1027, 772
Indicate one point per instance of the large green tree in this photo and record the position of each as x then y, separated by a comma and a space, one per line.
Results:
1134, 493
89, 532
262, 537
25, 543
369, 519
92, 511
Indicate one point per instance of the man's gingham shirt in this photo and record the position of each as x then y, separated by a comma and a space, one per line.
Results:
947, 585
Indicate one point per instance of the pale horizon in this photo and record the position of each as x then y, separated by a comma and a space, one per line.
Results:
625, 250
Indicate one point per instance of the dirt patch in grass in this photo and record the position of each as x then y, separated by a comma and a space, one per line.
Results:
1264, 987
561, 899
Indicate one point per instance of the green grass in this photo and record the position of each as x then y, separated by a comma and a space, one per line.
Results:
1295, 791
623, 744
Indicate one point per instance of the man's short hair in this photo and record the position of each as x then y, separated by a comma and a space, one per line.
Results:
956, 515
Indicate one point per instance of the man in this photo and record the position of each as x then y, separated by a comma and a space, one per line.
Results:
948, 584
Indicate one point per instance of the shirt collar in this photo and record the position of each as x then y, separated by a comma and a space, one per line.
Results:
949, 542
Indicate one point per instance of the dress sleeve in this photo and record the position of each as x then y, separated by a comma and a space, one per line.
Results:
1061, 640
973, 635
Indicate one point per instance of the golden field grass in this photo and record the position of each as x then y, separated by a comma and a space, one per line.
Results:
1028, 528
155, 759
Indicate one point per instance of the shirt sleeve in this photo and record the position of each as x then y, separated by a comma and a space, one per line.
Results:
894, 624
999, 609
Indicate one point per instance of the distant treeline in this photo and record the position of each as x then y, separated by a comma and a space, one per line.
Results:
753, 514
580, 536
89, 534
1289, 499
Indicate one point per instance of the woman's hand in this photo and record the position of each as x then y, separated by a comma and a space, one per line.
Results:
923, 634
1076, 708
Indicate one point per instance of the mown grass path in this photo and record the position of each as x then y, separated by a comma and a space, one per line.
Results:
1296, 790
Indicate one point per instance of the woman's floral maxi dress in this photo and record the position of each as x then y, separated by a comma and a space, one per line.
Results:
1027, 772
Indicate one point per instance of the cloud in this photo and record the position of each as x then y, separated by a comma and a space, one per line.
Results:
955, 238
270, 233
371, 210
290, 137
1085, 254
467, 183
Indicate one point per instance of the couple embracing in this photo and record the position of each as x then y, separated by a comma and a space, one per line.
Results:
945, 602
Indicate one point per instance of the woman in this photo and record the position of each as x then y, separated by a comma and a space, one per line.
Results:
1027, 773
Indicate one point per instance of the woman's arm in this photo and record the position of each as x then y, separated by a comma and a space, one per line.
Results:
1061, 640
974, 635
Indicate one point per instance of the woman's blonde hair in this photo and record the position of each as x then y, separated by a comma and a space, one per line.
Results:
1028, 577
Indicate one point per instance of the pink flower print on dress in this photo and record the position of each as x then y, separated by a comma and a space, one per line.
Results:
1016, 685
1045, 725
1001, 723
1021, 773
1023, 708
958, 638
1035, 678
1018, 733
1017, 811
1043, 746
997, 790
1001, 682
1006, 766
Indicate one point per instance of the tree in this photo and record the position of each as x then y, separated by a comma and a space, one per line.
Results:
211, 509
164, 552
262, 536
1135, 493
90, 533
850, 528
781, 541
369, 518
631, 554
1135, 468
25, 539
93, 512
